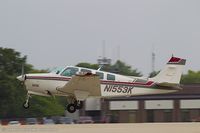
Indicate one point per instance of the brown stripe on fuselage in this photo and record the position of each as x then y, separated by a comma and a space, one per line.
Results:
48, 78
147, 84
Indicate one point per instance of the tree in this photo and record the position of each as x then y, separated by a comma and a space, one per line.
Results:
124, 69
119, 67
88, 65
191, 77
10, 67
13, 94
153, 74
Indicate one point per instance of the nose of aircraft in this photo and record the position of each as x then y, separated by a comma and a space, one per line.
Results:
20, 78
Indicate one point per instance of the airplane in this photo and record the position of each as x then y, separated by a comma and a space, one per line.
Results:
78, 83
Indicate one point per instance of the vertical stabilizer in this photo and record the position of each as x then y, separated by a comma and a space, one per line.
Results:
172, 72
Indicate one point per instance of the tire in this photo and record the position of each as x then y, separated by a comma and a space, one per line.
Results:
71, 108
79, 105
26, 105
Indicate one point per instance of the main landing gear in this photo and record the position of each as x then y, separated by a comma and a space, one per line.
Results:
75, 105
26, 103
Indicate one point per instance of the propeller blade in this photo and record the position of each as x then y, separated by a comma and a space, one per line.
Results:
22, 71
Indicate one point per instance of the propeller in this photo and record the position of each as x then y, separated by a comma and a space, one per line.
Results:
22, 77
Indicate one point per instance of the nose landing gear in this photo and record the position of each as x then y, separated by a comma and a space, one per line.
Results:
26, 103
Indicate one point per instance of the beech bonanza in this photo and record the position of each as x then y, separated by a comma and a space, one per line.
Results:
77, 83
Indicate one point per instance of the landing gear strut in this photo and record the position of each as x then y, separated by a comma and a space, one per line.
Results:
79, 104
74, 105
26, 103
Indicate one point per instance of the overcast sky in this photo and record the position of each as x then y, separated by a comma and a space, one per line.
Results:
65, 32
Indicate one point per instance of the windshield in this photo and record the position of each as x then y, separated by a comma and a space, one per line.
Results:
56, 70
70, 71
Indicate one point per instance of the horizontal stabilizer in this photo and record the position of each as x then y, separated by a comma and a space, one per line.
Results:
169, 85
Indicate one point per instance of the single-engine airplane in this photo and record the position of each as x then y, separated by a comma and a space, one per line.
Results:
77, 83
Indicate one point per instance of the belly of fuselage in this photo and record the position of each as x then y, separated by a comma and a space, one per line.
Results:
44, 86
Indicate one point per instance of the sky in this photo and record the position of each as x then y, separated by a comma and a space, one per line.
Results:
65, 32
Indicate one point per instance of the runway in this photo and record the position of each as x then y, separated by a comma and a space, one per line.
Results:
106, 128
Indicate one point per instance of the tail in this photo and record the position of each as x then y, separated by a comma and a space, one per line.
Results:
172, 72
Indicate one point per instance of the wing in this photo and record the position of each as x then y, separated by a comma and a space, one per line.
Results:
83, 86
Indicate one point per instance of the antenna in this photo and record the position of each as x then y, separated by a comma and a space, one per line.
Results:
118, 52
104, 48
100, 68
103, 60
153, 57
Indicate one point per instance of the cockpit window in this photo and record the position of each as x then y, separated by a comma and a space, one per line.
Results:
56, 70
70, 71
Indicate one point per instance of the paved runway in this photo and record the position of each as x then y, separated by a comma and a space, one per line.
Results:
106, 128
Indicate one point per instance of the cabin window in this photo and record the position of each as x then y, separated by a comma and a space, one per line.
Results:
86, 71
70, 71
101, 76
110, 77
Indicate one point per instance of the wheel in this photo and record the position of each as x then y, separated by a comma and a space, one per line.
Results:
79, 104
71, 108
26, 105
